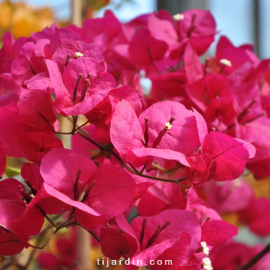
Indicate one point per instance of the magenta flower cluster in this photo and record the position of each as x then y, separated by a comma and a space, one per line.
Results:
203, 120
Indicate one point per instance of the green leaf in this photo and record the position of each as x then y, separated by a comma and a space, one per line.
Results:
11, 171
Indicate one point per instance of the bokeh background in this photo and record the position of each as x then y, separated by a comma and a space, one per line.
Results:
243, 21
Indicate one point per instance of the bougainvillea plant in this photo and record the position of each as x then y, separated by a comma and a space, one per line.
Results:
138, 164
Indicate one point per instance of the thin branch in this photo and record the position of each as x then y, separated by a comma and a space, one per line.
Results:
81, 125
257, 258
132, 170
63, 225
163, 179
135, 170
123, 164
140, 173
93, 235
177, 182
34, 250
165, 170
90, 140
45, 215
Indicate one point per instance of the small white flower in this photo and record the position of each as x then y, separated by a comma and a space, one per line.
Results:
78, 54
179, 17
225, 62
168, 125
205, 248
207, 264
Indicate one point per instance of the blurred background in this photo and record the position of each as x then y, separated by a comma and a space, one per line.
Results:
243, 21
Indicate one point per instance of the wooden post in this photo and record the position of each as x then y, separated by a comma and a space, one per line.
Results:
83, 238
83, 249
76, 12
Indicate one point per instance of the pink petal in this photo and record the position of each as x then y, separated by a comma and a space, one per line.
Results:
11, 204
201, 125
36, 142
113, 243
231, 197
162, 30
180, 221
31, 221
113, 191
162, 153
36, 107
12, 130
256, 217
31, 173
126, 131
2, 160
229, 154
182, 137
193, 66
175, 249
59, 170
216, 232
11, 244
62, 100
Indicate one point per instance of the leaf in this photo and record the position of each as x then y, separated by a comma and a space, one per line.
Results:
11, 171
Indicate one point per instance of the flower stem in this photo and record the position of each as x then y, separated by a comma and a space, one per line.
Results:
258, 257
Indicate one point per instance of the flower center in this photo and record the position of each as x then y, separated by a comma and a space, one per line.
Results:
179, 17
78, 54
